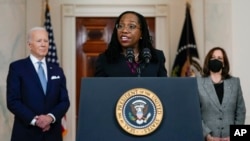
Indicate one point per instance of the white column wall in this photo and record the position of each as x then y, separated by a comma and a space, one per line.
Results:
240, 47
223, 23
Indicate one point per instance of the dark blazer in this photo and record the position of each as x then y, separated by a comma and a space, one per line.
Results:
121, 69
216, 117
26, 99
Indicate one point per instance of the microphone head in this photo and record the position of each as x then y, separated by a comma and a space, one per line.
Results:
130, 55
146, 53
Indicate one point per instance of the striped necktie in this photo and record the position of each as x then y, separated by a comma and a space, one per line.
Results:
42, 77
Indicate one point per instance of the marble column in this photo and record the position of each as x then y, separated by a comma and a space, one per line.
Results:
12, 39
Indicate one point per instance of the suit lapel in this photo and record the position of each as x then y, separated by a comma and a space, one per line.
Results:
49, 72
211, 93
227, 91
32, 72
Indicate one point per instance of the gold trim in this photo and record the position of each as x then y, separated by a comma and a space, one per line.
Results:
139, 92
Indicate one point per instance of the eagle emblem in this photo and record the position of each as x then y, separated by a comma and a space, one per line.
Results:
139, 113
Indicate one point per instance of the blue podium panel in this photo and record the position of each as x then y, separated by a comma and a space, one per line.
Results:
179, 97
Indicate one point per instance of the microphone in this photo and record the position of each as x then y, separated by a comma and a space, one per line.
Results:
146, 53
130, 55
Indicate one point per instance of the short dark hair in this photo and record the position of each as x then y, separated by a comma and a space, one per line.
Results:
226, 67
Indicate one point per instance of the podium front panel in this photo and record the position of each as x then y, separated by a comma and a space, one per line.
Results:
179, 96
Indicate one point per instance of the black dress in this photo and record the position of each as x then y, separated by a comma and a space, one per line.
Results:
121, 68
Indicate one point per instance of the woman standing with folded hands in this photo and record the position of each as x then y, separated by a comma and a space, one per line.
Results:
221, 99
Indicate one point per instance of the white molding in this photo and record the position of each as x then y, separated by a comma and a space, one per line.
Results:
80, 10
71, 11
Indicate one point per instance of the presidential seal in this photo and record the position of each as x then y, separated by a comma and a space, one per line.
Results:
139, 111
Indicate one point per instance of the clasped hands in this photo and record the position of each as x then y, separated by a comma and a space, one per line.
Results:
210, 138
43, 122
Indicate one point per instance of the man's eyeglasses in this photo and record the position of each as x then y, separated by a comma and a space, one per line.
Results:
129, 27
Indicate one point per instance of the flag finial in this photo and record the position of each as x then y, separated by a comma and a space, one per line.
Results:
188, 5
185, 64
52, 53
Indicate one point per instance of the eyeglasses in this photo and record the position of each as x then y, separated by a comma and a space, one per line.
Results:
129, 27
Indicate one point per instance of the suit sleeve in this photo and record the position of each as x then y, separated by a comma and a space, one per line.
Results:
205, 128
240, 113
63, 103
99, 66
162, 69
14, 96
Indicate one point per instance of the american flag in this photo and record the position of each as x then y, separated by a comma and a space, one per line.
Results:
52, 55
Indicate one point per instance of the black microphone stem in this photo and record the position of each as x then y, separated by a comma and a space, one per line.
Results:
138, 71
130, 55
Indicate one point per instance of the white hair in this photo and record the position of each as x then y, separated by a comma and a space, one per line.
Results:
32, 30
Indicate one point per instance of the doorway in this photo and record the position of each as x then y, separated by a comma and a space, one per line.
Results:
92, 37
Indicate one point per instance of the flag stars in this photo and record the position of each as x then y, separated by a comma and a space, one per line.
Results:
51, 56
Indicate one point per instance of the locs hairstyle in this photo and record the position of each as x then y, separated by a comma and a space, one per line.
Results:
114, 47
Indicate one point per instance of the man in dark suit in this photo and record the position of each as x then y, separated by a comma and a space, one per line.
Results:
37, 108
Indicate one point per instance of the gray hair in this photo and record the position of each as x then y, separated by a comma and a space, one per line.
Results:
34, 29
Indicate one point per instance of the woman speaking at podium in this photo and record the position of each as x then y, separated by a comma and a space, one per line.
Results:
130, 52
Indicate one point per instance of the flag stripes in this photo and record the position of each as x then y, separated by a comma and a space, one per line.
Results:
52, 54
